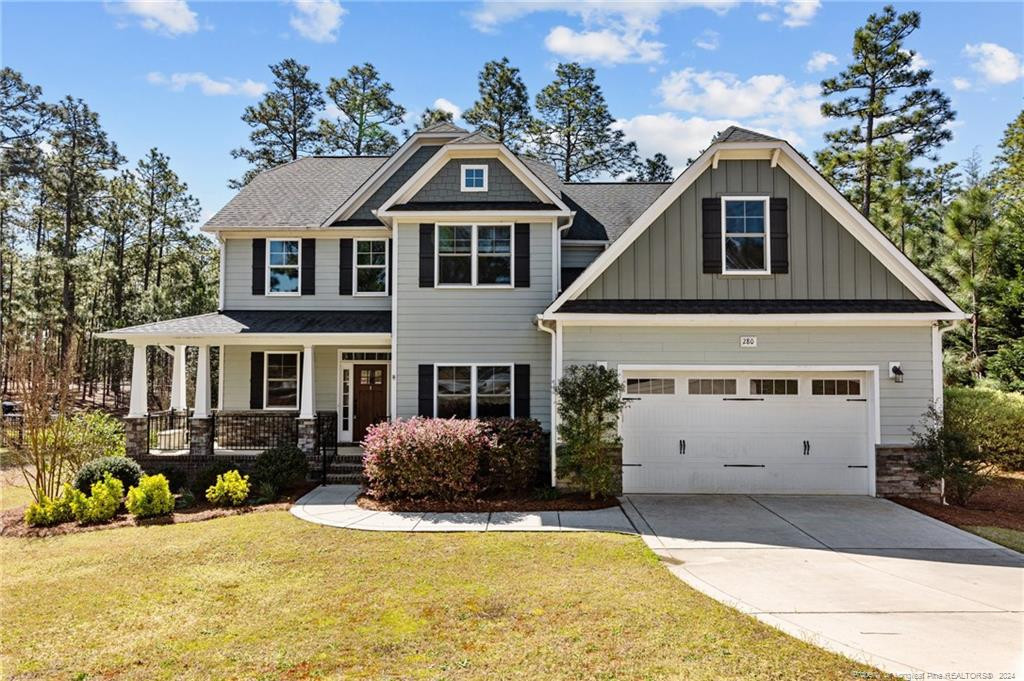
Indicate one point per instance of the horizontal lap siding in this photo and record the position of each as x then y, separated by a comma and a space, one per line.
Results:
825, 261
238, 283
579, 256
236, 374
901, 404
472, 325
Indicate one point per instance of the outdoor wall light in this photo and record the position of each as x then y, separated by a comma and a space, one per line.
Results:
896, 372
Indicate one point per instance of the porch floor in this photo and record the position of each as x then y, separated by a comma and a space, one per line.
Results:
335, 505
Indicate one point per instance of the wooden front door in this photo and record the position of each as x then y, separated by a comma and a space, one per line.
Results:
371, 398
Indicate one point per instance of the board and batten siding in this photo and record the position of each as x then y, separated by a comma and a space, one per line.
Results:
901, 404
238, 282
825, 261
502, 185
472, 325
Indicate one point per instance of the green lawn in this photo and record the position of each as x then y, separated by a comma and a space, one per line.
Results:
267, 596
1012, 539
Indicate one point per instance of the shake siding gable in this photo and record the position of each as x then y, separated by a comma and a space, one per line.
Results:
825, 261
502, 185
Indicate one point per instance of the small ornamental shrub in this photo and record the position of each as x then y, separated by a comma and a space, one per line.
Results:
948, 457
96, 434
52, 511
185, 499
231, 489
280, 467
120, 467
265, 493
509, 463
991, 420
590, 403
424, 458
152, 497
206, 477
102, 503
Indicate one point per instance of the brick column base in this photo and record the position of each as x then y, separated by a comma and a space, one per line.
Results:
136, 437
200, 437
615, 455
895, 475
307, 437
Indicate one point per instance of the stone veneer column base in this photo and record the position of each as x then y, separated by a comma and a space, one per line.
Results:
307, 437
896, 477
136, 436
200, 437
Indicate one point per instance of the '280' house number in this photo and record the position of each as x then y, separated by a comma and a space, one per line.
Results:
748, 341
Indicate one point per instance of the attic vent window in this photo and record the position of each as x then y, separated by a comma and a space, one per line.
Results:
474, 178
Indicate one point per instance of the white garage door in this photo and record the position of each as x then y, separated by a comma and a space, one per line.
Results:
745, 433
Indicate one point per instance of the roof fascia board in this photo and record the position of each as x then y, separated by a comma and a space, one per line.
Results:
306, 232
252, 338
503, 214
751, 320
455, 151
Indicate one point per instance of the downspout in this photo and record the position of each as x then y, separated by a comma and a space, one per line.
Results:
554, 378
558, 252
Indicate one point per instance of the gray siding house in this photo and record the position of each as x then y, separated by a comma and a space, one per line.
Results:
769, 338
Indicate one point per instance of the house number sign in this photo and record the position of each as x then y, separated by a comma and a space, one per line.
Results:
748, 341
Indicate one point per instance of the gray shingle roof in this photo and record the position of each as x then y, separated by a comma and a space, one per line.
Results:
238, 322
605, 210
476, 138
443, 126
302, 193
737, 134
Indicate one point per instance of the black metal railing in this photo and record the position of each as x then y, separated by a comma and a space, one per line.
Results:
168, 430
254, 429
12, 432
326, 440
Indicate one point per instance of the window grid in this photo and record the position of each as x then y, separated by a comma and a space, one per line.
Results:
474, 255
650, 386
711, 386
745, 235
774, 386
281, 380
371, 270
283, 266
355, 356
835, 386
474, 178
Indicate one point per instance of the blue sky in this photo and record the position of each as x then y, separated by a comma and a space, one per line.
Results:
177, 74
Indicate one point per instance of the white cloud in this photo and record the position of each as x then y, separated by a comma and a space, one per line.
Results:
317, 20
767, 100
447, 105
606, 46
994, 62
820, 61
708, 40
170, 17
961, 84
766, 16
177, 82
800, 12
918, 62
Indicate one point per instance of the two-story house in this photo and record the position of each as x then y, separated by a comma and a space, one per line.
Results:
769, 338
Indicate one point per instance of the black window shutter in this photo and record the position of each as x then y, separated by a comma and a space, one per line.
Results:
391, 265
522, 396
426, 392
308, 267
256, 380
426, 255
711, 235
259, 267
345, 267
779, 226
522, 255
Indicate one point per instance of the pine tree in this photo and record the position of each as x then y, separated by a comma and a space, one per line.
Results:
653, 169
167, 209
432, 116
503, 110
365, 106
1009, 164
887, 99
573, 129
283, 122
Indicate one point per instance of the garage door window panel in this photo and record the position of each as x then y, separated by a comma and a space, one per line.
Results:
711, 386
835, 386
650, 386
774, 386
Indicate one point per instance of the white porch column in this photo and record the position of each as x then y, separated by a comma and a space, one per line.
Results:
137, 406
306, 410
202, 409
178, 380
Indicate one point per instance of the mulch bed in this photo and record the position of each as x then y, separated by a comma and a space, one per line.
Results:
13, 525
1001, 504
568, 502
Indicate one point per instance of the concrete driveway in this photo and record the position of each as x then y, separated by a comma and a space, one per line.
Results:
862, 576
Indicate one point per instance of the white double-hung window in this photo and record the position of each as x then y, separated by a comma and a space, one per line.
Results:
474, 255
284, 267
371, 270
745, 230
465, 391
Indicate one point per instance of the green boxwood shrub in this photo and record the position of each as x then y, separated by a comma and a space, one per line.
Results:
151, 497
279, 468
508, 465
992, 422
231, 489
120, 467
102, 503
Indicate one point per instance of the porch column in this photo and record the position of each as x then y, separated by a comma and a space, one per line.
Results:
306, 408
137, 404
202, 409
178, 402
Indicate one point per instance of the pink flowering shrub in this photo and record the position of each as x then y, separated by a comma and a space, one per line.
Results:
417, 458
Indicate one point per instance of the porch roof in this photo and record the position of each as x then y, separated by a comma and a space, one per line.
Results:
251, 325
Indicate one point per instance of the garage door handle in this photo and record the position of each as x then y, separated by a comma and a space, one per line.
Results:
682, 447
807, 447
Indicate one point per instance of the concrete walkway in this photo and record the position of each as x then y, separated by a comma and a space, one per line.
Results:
864, 577
335, 505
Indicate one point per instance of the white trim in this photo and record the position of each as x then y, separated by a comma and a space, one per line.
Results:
298, 378
344, 434
393, 370
473, 366
474, 256
462, 177
362, 339
307, 387
201, 410
355, 269
812, 182
775, 158
137, 404
810, 319
220, 377
766, 235
266, 267
221, 271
